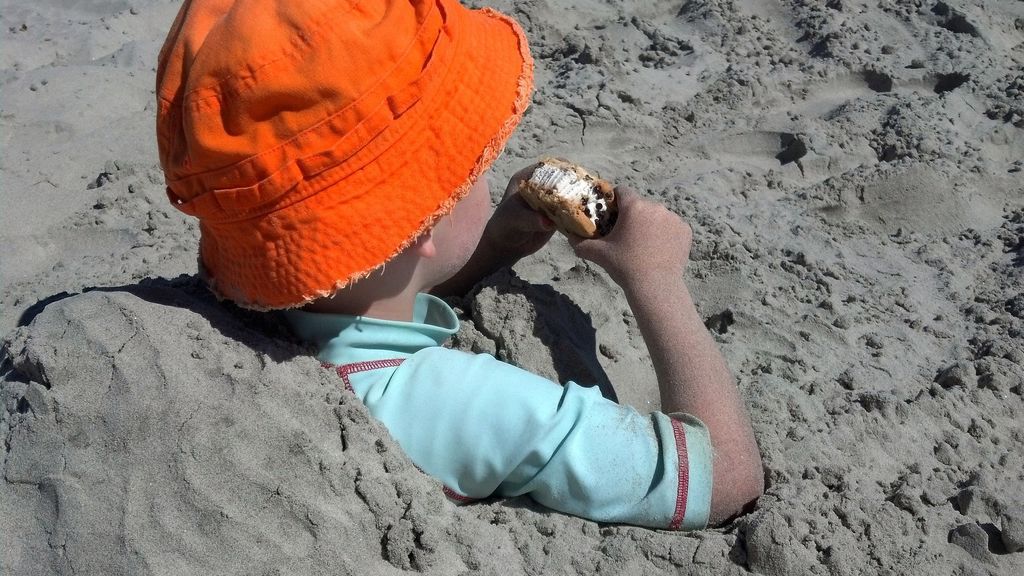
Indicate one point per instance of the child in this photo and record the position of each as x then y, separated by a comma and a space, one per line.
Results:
335, 155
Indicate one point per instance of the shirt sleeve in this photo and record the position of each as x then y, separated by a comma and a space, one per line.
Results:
484, 427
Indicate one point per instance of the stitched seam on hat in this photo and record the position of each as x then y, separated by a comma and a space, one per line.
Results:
391, 133
491, 150
331, 175
395, 138
243, 79
164, 56
309, 131
326, 119
245, 75
440, 71
171, 135
298, 43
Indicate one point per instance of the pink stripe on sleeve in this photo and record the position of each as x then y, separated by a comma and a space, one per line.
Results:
459, 498
684, 475
355, 367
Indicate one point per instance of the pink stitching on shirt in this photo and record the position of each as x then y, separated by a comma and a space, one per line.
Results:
684, 475
456, 496
345, 369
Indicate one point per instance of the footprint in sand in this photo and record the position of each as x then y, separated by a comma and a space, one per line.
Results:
916, 198
763, 149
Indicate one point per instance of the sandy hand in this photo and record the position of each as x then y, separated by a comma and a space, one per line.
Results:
515, 228
648, 241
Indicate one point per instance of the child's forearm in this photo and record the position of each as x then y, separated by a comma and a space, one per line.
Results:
693, 378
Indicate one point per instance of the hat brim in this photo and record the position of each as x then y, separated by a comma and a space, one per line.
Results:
314, 247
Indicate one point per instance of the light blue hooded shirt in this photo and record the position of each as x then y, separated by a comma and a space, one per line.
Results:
486, 428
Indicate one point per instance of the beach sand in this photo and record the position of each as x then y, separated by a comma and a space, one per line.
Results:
853, 174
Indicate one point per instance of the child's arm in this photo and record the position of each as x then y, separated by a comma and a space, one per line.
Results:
513, 232
646, 254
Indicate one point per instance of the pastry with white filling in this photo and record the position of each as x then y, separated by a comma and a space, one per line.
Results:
577, 202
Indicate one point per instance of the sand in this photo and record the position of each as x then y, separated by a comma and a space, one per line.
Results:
852, 172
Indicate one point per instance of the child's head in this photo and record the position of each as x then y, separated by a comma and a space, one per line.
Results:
316, 141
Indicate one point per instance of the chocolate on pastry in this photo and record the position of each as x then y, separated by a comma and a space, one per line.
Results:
577, 202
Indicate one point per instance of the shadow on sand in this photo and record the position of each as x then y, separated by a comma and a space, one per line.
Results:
558, 322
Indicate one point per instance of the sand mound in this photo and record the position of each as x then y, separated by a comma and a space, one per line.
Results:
151, 430
852, 172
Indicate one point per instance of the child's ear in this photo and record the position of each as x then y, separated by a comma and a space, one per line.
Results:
424, 246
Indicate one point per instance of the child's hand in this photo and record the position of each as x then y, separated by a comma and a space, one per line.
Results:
647, 240
515, 229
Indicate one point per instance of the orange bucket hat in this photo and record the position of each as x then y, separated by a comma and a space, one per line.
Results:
317, 139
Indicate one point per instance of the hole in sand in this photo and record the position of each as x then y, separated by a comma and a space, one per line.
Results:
793, 148
877, 81
995, 539
720, 322
941, 9
959, 25
951, 81
954, 22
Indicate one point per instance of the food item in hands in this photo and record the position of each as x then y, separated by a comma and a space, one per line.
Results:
577, 202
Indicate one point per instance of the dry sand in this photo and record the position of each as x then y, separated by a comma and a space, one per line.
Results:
852, 171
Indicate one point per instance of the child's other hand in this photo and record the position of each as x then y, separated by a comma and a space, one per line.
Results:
515, 229
647, 241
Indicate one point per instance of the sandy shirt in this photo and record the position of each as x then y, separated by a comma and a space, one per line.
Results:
486, 428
